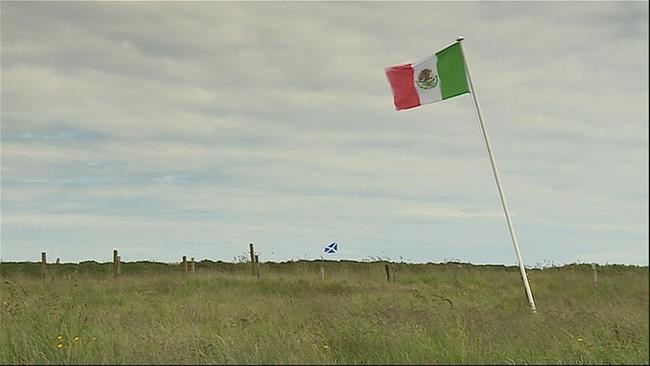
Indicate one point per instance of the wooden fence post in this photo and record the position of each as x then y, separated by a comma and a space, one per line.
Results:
392, 273
116, 264
185, 263
193, 266
257, 266
43, 264
250, 247
58, 260
387, 272
119, 265
593, 267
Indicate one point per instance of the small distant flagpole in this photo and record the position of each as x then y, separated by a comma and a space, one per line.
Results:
498, 180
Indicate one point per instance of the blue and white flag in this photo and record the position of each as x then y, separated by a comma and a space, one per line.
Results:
331, 248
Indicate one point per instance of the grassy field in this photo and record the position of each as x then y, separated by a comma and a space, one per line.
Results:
431, 314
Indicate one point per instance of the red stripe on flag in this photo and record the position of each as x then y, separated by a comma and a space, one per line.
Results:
401, 82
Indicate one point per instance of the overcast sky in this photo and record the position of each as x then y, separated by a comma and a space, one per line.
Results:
169, 129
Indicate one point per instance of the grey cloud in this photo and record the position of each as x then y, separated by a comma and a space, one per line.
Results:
265, 117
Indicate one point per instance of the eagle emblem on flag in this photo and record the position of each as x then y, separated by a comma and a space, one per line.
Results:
426, 79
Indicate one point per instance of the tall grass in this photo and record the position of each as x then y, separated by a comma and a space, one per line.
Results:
451, 313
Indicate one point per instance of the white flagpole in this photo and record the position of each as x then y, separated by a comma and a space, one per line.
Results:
498, 180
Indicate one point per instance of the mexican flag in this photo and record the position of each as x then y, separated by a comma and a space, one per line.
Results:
432, 79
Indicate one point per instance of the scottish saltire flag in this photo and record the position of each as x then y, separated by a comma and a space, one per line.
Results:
430, 80
331, 248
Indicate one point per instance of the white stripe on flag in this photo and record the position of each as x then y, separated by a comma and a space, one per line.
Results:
427, 95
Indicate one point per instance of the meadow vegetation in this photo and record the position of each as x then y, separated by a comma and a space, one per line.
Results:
448, 313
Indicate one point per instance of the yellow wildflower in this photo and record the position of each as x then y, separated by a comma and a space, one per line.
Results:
59, 337
59, 346
580, 339
326, 346
75, 339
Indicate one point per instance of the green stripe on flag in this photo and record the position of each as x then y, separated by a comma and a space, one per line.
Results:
451, 69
